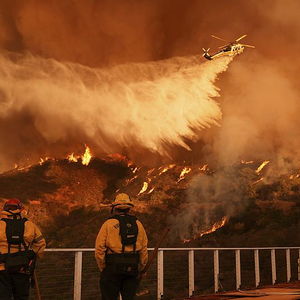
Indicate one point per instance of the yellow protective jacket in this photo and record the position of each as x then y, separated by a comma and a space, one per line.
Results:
32, 237
109, 241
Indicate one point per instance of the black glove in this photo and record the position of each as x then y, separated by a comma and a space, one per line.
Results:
31, 254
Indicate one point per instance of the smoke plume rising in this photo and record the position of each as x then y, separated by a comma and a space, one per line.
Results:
209, 199
91, 59
259, 93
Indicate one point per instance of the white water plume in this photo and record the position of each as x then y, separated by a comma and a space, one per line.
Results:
144, 103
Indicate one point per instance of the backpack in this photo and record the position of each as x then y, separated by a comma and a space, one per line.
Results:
128, 230
125, 263
15, 262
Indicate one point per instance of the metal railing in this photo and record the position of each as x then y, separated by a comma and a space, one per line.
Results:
191, 266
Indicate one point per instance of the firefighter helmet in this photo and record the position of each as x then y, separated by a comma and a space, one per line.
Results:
13, 204
122, 201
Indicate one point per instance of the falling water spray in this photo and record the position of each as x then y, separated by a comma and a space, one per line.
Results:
144, 104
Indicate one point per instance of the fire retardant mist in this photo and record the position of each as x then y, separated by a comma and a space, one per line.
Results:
44, 102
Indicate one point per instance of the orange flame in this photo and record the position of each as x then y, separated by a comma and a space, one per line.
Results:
144, 188
204, 168
151, 191
72, 157
150, 171
258, 180
245, 162
294, 176
127, 181
262, 166
86, 157
166, 169
214, 228
42, 160
184, 171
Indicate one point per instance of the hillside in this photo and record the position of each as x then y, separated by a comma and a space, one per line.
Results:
70, 201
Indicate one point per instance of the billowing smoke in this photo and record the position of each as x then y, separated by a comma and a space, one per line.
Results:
139, 104
261, 116
144, 104
210, 198
259, 93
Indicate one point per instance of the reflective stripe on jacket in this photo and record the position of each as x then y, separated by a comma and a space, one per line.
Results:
32, 237
109, 240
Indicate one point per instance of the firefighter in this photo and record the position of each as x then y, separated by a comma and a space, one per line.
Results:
20, 242
121, 251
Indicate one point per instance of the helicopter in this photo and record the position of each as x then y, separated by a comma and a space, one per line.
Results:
230, 49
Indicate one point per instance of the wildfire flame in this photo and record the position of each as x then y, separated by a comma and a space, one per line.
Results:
72, 157
262, 166
214, 228
184, 171
127, 181
257, 181
42, 160
165, 169
151, 191
150, 171
245, 162
85, 157
204, 168
144, 188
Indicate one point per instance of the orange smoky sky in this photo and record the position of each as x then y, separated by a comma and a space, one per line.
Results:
259, 96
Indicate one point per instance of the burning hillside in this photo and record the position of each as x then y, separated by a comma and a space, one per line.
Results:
193, 200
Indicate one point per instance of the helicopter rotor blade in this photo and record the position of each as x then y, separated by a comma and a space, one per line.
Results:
223, 46
243, 36
249, 46
218, 38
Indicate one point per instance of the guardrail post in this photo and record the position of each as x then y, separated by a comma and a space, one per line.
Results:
288, 265
256, 263
160, 274
273, 264
191, 273
299, 265
77, 275
216, 270
238, 269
